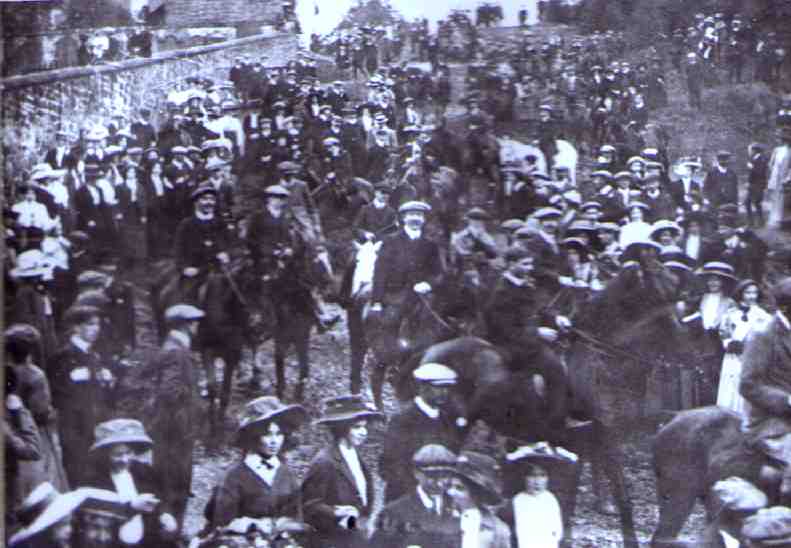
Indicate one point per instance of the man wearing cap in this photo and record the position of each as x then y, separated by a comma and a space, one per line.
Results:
60, 156
521, 320
694, 76
94, 213
421, 516
721, 185
756, 184
201, 241
375, 220
407, 268
687, 191
660, 202
472, 247
169, 381
353, 138
144, 133
430, 417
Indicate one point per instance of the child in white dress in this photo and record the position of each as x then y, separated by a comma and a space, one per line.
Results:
735, 327
538, 521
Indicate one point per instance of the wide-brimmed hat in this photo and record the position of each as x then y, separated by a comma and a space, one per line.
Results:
481, 473
23, 333
350, 408
547, 213
43, 508
575, 243
717, 268
45, 171
183, 312
674, 257
266, 409
630, 253
128, 431
541, 454
277, 190
664, 224
768, 527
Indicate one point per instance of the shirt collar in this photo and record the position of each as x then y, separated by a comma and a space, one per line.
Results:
429, 411
427, 501
181, 337
81, 343
412, 234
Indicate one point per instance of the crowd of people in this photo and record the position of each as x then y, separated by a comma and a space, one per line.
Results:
92, 434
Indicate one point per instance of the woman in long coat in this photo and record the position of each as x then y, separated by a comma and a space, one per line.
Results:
338, 488
132, 207
261, 484
21, 342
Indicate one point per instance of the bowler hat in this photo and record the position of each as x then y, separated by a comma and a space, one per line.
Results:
481, 474
266, 409
127, 431
345, 409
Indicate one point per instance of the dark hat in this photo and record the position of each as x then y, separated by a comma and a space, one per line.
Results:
699, 217
481, 474
744, 284
201, 190
383, 187
674, 257
128, 431
623, 175
723, 154
575, 243
106, 503
582, 225
434, 458
22, 333
477, 214
631, 251
344, 409
262, 411
93, 278
768, 526
516, 253
77, 314
608, 227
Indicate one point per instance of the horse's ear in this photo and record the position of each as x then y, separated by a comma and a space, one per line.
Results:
378, 245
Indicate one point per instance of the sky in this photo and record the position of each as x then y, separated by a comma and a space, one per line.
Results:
331, 12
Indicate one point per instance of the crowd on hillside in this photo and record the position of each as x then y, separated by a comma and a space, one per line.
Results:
304, 164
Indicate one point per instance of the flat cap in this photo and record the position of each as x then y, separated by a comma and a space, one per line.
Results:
205, 188
478, 214
591, 204
623, 175
435, 373
434, 457
547, 213
608, 227
277, 190
92, 278
184, 312
602, 173
414, 205
288, 167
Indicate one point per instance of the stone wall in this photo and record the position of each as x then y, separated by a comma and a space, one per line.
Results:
34, 106
194, 13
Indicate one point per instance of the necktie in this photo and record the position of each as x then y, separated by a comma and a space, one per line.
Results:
745, 310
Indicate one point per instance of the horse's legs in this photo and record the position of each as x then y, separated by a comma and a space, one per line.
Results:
612, 460
303, 356
358, 347
211, 389
675, 505
280, 367
231, 360
378, 372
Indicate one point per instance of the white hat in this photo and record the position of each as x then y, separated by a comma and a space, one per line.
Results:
435, 373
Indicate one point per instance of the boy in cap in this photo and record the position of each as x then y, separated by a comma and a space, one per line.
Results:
472, 247
376, 219
429, 418
721, 185
421, 516
756, 184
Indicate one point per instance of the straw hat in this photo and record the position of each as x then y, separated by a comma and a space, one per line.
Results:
349, 408
261, 411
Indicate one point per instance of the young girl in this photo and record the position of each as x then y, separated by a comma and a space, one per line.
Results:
538, 522
737, 324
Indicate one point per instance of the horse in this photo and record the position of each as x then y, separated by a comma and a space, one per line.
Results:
290, 294
692, 452
513, 151
222, 332
609, 363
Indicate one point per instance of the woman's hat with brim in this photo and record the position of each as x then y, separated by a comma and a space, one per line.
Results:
127, 431
350, 408
744, 284
262, 411
768, 527
511, 225
43, 508
481, 474
717, 268
577, 244
664, 224
674, 257
541, 454
632, 249
23, 333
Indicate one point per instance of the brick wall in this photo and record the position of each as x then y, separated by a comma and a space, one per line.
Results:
193, 13
34, 106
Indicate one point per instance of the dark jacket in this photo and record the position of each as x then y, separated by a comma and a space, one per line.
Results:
759, 172
82, 403
721, 188
402, 263
407, 522
242, 493
408, 431
198, 242
266, 235
378, 221
329, 483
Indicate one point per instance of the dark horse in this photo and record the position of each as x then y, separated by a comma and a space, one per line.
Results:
225, 329
693, 451
290, 295
621, 336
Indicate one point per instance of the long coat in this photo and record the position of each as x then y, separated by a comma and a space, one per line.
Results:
766, 380
329, 482
83, 400
408, 431
721, 188
242, 493
402, 263
407, 522
172, 419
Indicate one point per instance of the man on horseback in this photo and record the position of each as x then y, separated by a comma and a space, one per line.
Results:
520, 319
407, 269
200, 244
766, 385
